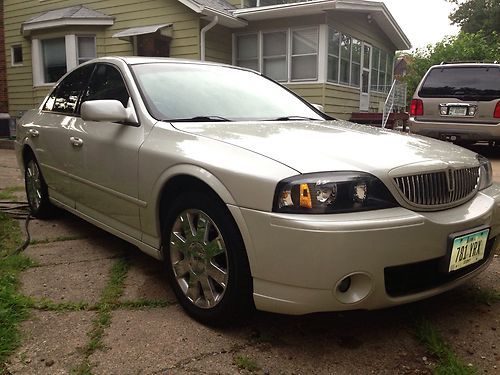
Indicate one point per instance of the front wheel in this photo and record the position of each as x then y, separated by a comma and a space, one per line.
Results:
206, 260
36, 190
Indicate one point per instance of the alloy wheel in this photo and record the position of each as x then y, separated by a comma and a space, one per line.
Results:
199, 258
33, 185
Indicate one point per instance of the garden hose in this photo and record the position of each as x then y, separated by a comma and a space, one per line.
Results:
18, 211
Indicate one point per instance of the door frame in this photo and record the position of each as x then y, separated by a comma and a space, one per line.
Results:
364, 97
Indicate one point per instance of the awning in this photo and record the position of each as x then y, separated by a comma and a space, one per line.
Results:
164, 28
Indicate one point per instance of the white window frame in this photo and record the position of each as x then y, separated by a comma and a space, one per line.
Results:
321, 53
235, 49
12, 62
286, 55
70, 41
292, 30
78, 57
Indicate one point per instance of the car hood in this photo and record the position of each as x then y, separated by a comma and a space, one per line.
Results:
313, 146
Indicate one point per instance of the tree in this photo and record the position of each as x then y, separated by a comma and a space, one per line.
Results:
476, 15
472, 47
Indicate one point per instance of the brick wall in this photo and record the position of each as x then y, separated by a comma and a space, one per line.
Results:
3, 67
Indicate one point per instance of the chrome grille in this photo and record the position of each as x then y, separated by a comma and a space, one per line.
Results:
439, 188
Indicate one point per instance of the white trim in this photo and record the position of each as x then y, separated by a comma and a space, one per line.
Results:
378, 10
71, 49
26, 29
323, 53
224, 18
70, 42
36, 58
12, 63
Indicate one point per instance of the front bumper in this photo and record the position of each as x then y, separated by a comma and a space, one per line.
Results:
455, 131
298, 261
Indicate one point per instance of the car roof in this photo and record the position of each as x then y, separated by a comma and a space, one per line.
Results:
465, 65
136, 60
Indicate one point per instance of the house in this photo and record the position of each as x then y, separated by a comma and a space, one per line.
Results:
337, 53
4, 108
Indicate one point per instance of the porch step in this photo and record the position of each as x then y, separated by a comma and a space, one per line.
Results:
375, 119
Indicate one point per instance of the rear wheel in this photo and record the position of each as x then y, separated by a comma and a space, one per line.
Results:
206, 260
36, 190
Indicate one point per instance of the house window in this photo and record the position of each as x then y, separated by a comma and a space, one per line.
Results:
274, 53
305, 54
382, 67
86, 48
247, 51
154, 45
17, 55
345, 59
355, 62
333, 56
53, 59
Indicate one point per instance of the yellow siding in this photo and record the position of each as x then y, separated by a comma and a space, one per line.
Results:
219, 44
341, 101
312, 92
127, 13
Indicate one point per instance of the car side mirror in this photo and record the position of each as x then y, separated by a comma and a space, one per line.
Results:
104, 110
319, 107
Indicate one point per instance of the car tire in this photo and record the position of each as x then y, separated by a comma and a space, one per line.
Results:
206, 260
36, 190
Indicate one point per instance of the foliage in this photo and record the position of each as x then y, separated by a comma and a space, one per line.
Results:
476, 15
463, 47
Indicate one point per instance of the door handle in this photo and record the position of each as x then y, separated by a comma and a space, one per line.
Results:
33, 133
77, 142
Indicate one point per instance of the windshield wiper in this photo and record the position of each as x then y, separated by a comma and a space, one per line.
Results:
294, 118
200, 119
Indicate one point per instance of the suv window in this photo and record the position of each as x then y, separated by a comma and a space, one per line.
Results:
65, 96
467, 83
107, 83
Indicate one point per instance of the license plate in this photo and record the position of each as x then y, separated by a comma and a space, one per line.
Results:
457, 111
468, 249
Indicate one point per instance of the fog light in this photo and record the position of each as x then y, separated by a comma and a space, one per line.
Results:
344, 285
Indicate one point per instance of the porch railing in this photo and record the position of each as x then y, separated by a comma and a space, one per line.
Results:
396, 99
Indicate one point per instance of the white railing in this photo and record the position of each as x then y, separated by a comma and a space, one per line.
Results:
396, 99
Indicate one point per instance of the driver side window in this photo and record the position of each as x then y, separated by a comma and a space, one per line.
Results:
107, 83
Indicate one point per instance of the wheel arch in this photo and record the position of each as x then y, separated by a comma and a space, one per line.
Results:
176, 180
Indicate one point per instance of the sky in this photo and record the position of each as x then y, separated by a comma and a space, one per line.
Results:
423, 21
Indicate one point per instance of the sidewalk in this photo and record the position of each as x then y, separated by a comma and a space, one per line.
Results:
103, 307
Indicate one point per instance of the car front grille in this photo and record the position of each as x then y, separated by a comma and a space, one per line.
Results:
438, 189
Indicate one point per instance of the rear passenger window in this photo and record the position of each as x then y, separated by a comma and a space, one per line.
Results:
107, 83
64, 98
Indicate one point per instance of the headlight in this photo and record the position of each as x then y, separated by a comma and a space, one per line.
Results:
485, 172
331, 192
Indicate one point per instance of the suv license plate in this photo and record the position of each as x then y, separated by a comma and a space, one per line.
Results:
457, 111
468, 249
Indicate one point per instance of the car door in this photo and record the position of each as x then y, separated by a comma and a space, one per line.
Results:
105, 158
49, 133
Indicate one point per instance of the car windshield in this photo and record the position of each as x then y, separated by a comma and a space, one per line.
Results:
197, 92
476, 83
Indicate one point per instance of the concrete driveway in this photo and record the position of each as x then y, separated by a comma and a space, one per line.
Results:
105, 308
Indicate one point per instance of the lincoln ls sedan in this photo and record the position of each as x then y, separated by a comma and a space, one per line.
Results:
252, 197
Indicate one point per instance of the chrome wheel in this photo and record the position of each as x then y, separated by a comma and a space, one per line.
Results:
33, 185
199, 258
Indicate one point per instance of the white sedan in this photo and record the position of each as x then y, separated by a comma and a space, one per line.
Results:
251, 196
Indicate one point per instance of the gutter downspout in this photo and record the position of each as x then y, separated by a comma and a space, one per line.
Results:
204, 30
